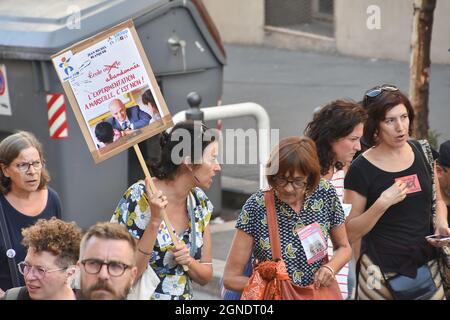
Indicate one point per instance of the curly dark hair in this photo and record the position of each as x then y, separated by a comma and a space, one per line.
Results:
332, 122
165, 167
58, 237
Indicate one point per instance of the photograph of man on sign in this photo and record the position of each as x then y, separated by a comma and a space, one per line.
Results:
123, 116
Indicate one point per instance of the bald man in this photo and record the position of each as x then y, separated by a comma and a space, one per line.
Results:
124, 119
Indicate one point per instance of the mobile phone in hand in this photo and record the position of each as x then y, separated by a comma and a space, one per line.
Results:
438, 237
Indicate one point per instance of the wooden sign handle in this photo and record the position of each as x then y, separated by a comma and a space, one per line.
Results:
153, 189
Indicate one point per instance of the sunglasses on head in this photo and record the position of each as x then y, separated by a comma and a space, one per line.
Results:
375, 92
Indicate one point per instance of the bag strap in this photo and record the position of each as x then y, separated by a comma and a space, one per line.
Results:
193, 234
428, 165
269, 199
14, 273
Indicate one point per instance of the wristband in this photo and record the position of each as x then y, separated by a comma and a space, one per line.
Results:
190, 262
143, 252
329, 268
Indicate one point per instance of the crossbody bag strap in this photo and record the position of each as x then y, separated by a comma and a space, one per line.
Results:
423, 156
427, 163
269, 199
14, 273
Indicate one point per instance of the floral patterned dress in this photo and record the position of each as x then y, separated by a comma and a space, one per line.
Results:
322, 206
133, 211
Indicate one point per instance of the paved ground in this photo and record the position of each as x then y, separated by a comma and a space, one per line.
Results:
291, 84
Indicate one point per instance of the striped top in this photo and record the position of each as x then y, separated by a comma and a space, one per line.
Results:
337, 180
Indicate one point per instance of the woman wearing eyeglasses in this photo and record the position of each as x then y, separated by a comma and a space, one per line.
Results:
53, 246
390, 189
302, 199
24, 198
336, 130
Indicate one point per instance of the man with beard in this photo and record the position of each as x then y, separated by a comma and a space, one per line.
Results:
107, 262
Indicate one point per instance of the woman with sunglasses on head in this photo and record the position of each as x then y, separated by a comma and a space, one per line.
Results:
49, 265
24, 198
390, 187
302, 200
336, 130
180, 176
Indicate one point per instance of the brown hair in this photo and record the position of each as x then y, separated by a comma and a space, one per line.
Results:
11, 147
58, 237
295, 154
377, 107
108, 231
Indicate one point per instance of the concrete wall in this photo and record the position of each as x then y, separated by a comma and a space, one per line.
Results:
392, 40
238, 21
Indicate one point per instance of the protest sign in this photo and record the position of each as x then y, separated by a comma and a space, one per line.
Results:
114, 94
105, 78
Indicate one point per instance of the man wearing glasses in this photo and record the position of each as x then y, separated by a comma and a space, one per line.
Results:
107, 262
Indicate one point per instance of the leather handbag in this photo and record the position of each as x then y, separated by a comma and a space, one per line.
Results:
402, 287
270, 280
422, 287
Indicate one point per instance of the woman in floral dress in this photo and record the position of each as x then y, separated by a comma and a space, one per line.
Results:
180, 177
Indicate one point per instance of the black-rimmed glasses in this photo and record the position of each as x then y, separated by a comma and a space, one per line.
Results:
25, 268
115, 269
297, 183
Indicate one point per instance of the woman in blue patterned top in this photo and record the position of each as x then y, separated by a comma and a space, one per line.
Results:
180, 182
302, 199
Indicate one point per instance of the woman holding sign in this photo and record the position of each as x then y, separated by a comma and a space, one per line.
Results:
307, 212
24, 198
181, 174
390, 187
